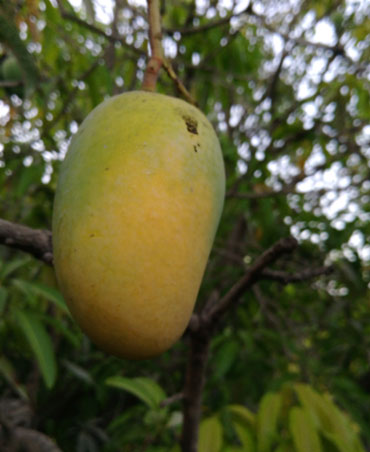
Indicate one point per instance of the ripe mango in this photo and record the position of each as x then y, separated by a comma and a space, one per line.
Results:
139, 198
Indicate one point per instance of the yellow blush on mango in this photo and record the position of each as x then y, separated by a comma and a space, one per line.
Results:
138, 202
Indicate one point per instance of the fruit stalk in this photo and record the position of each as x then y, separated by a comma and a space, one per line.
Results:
155, 40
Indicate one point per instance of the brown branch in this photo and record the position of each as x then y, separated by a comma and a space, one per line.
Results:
208, 26
201, 328
193, 389
178, 83
336, 50
286, 278
172, 399
10, 84
29, 440
96, 30
155, 40
252, 275
36, 242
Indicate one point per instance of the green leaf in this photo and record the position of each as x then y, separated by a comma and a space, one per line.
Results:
175, 448
242, 415
286, 446
145, 389
9, 34
8, 268
9, 373
244, 422
246, 436
305, 436
267, 421
3, 297
234, 449
329, 419
79, 372
210, 435
225, 357
28, 176
41, 345
39, 289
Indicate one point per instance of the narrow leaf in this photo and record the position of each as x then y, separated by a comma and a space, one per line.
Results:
286, 446
39, 289
242, 415
9, 267
246, 436
225, 357
79, 372
210, 435
328, 419
305, 436
41, 345
146, 389
9, 35
267, 421
3, 297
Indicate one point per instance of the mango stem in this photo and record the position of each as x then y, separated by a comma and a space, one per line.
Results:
155, 40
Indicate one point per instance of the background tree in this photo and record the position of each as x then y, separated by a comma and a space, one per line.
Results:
286, 85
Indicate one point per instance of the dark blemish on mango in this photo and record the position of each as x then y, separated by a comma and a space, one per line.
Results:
92, 235
196, 147
191, 124
106, 169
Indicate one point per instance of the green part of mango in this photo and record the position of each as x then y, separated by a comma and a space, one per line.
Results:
138, 202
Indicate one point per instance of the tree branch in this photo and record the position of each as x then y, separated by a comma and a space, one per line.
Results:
178, 83
193, 389
208, 26
213, 313
96, 30
36, 242
286, 278
201, 328
172, 399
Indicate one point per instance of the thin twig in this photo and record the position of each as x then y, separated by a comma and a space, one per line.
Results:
172, 399
179, 85
208, 26
96, 30
286, 278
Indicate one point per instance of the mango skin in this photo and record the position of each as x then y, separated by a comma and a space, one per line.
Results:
139, 198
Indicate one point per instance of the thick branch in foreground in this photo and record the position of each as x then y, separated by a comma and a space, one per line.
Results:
36, 242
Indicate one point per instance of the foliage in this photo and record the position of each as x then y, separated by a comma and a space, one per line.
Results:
296, 419
286, 85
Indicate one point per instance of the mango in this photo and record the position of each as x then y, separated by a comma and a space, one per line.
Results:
138, 201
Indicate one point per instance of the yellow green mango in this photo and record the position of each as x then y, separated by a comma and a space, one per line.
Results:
139, 198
